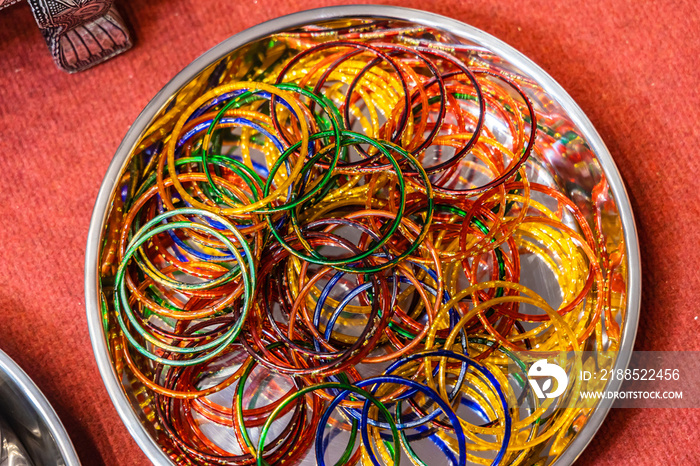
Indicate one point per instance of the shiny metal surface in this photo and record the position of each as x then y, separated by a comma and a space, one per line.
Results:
119, 387
12, 452
32, 419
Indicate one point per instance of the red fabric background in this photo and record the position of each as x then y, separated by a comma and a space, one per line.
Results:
632, 66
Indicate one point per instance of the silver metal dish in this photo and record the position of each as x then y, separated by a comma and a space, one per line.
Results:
28, 413
124, 394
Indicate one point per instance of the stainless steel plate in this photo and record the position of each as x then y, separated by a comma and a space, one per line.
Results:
575, 179
28, 413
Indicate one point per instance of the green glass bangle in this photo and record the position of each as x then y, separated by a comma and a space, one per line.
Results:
332, 385
236, 102
307, 166
342, 264
217, 345
348, 138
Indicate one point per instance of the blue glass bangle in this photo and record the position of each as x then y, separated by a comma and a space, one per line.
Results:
485, 372
321, 446
427, 391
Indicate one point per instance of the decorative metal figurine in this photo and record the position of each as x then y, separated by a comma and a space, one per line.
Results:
79, 33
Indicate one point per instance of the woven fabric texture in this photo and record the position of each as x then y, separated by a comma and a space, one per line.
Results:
630, 65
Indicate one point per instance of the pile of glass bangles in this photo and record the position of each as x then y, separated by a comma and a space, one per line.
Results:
320, 254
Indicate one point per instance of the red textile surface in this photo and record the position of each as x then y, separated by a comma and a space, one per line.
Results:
631, 66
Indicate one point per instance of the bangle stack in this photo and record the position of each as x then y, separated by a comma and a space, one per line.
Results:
322, 256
